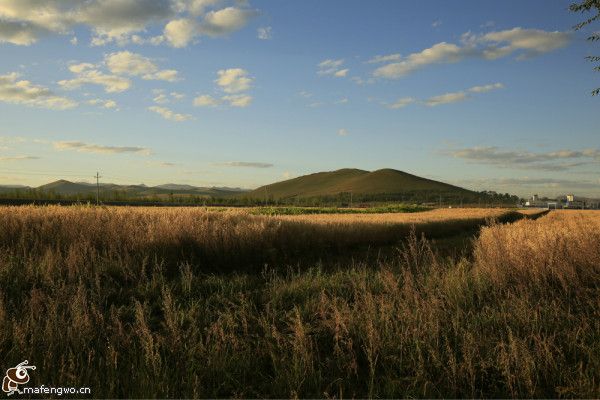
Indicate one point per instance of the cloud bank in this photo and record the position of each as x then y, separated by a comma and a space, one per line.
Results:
16, 91
560, 160
245, 164
95, 148
233, 83
490, 46
24, 22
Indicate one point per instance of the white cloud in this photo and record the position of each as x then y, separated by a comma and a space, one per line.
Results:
161, 99
206, 101
79, 68
438, 53
386, 58
492, 45
180, 32
342, 132
225, 21
168, 75
264, 33
402, 102
13, 90
436, 23
446, 98
455, 97
239, 100
332, 67
128, 63
102, 103
119, 64
234, 100
161, 164
360, 81
18, 33
109, 19
95, 148
88, 74
153, 40
115, 19
19, 158
23, 22
164, 98
246, 164
486, 88
525, 186
234, 80
198, 7
531, 42
169, 114
545, 161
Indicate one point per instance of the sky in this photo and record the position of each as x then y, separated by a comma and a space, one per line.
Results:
483, 94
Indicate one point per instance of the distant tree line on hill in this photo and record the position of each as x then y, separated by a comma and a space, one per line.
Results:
431, 198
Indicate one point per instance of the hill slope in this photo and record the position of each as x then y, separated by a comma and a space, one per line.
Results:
381, 184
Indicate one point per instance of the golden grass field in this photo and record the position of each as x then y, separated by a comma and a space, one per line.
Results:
226, 238
157, 302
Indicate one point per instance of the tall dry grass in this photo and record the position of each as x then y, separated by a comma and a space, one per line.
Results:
92, 298
215, 241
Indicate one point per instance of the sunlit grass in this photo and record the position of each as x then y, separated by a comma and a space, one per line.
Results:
157, 303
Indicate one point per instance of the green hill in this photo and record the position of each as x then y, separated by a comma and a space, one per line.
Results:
380, 185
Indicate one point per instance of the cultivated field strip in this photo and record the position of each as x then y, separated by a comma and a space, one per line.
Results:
424, 217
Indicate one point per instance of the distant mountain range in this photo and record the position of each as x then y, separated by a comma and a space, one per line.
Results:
380, 185
66, 188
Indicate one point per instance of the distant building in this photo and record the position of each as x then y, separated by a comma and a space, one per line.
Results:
569, 201
581, 203
536, 202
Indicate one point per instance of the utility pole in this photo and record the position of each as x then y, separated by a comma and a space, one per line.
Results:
97, 188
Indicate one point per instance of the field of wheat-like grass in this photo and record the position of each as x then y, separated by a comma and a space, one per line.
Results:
224, 240
136, 302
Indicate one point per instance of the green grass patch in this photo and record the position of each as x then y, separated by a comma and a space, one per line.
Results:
396, 208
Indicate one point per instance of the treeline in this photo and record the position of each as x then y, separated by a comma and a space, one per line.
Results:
429, 198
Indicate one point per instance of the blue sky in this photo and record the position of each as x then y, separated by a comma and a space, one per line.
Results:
483, 94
